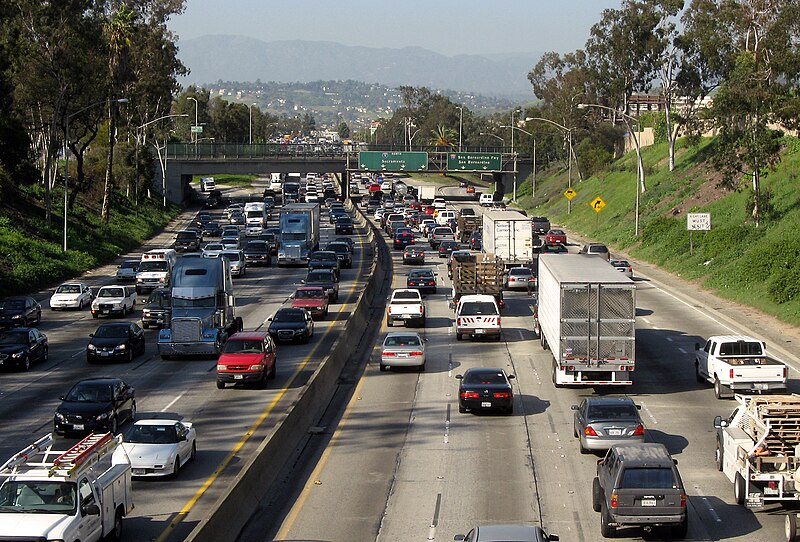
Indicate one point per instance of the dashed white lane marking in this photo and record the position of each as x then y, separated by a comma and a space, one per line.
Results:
710, 509
173, 402
669, 339
650, 414
682, 351
646, 321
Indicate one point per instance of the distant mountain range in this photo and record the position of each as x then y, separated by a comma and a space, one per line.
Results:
240, 58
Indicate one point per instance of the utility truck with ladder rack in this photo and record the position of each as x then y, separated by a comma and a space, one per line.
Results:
80, 494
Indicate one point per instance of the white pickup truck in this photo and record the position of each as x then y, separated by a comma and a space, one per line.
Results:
406, 305
737, 363
82, 493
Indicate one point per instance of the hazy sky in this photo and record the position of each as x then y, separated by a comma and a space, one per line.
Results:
449, 27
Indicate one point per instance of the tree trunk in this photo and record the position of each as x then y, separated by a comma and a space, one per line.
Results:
756, 202
109, 180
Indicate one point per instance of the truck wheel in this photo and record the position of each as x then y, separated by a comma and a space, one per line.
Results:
389, 322
739, 489
679, 531
718, 457
273, 370
597, 494
220, 385
697, 374
115, 535
718, 388
790, 527
146, 326
458, 336
606, 529
555, 376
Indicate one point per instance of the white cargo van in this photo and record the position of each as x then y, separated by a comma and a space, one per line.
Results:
486, 200
276, 183
207, 184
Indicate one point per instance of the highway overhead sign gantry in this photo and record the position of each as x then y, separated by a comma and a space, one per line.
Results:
392, 161
474, 161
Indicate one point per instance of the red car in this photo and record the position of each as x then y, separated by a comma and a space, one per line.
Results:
470, 189
428, 210
248, 357
553, 237
374, 187
312, 298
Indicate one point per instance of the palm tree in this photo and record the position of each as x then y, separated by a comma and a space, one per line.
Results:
118, 33
443, 137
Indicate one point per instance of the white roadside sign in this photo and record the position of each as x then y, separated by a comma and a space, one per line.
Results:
698, 221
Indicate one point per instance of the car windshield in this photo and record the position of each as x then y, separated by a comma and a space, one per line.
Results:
187, 236
90, 393
323, 256
402, 340
484, 377
159, 298
201, 303
13, 304
154, 265
244, 346
38, 497
520, 271
13, 337
129, 265
214, 246
648, 478
443, 231
69, 289
232, 256
289, 316
309, 294
152, 434
111, 292
338, 247
476, 308
612, 412
111, 332
403, 296
255, 246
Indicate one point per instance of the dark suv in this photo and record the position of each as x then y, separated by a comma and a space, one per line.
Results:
639, 485
187, 241
157, 310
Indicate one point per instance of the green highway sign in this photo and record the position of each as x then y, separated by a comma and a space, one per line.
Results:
474, 161
392, 161
196, 129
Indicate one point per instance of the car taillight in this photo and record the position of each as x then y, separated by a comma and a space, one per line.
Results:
469, 395
614, 500
683, 500
639, 431
420, 309
388, 354
590, 432
415, 353
458, 321
785, 372
731, 374
501, 395
432, 283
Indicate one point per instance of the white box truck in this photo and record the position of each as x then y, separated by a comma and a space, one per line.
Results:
586, 315
82, 493
508, 235
426, 193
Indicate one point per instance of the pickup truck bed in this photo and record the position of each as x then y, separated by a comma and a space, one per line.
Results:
739, 364
406, 305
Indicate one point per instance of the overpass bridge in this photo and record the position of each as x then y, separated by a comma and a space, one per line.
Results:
182, 161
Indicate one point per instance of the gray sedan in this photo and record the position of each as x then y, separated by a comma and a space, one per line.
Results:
506, 533
403, 349
602, 422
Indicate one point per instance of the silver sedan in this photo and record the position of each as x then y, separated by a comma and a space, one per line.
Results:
403, 349
603, 422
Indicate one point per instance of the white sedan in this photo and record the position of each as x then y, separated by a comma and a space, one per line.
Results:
439, 204
71, 295
159, 447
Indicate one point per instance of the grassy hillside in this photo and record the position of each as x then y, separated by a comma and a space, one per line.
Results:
759, 267
31, 254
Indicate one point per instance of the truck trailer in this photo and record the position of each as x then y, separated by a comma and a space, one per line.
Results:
507, 234
586, 315
203, 309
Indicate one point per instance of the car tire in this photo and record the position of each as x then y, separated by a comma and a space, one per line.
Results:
718, 457
220, 385
176, 467
554, 377
94, 315
462, 409
717, 388
52, 309
422, 368
458, 336
510, 410
389, 322
38, 318
273, 371
193, 453
383, 368
597, 494
790, 527
583, 449
698, 376
116, 532
45, 354
130, 355
680, 530
25, 366
145, 326
113, 427
739, 489
606, 529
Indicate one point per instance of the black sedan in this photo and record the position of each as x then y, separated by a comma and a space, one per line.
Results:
95, 405
115, 341
343, 252
446, 248
336, 214
257, 252
423, 280
21, 347
485, 389
20, 311
211, 229
327, 279
324, 259
402, 237
344, 226
291, 324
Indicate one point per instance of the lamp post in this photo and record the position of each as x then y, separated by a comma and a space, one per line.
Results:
569, 157
250, 123
640, 186
503, 141
194, 135
460, 125
533, 186
66, 156
139, 131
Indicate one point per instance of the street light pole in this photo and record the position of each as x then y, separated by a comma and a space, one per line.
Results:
460, 124
569, 158
639, 164
533, 191
514, 193
250, 123
66, 157
503, 141
194, 134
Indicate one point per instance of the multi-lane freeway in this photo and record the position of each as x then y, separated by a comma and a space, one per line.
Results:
403, 464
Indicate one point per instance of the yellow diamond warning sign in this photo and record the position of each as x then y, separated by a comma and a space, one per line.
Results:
569, 193
597, 204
